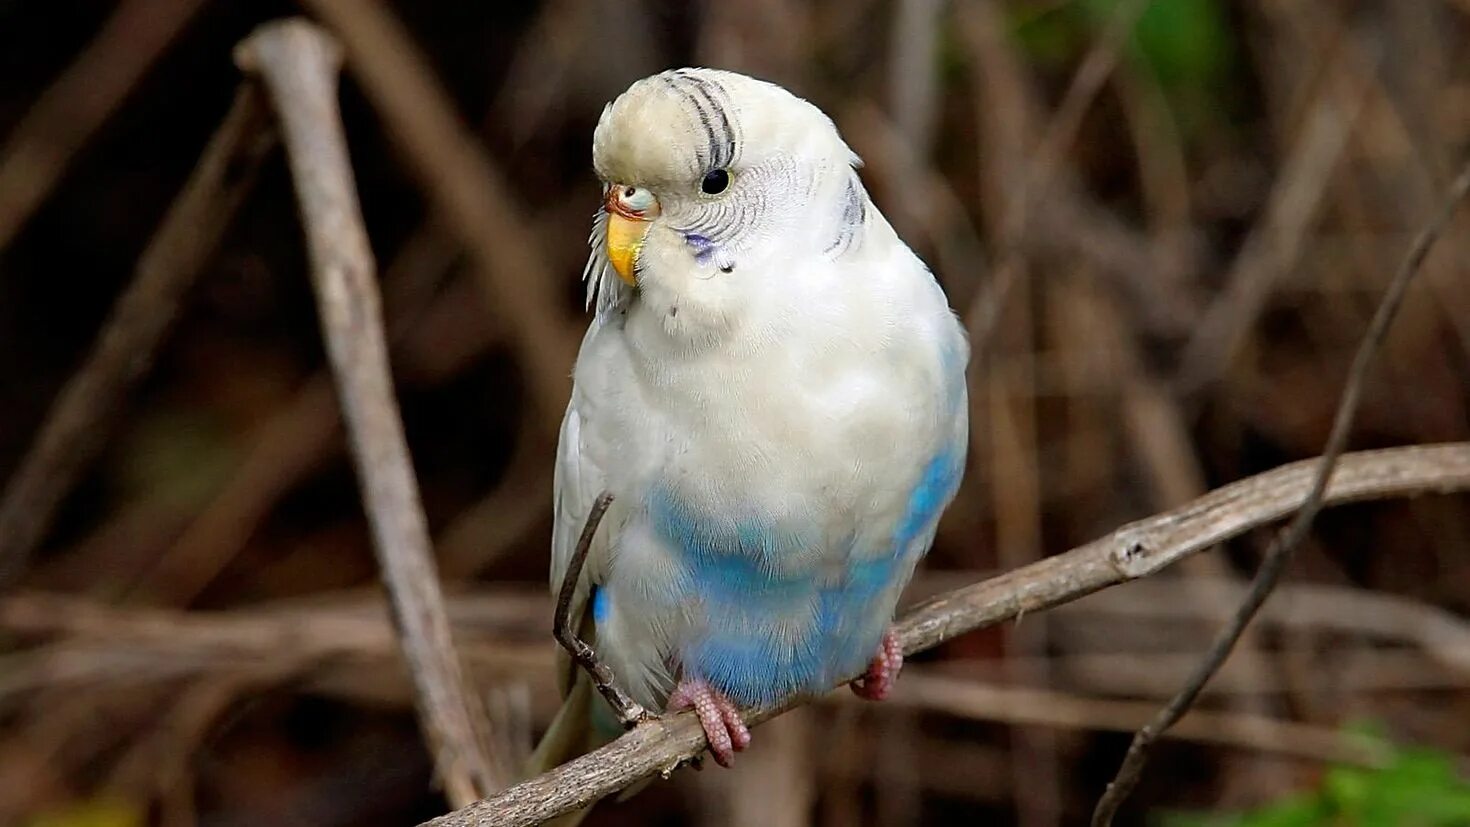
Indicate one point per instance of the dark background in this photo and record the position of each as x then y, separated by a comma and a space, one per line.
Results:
1279, 149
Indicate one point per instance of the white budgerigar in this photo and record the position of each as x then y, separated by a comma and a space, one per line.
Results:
773, 391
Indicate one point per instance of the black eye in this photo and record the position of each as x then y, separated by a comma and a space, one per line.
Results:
715, 182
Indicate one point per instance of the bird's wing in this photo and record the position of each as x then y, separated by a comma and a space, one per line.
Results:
577, 482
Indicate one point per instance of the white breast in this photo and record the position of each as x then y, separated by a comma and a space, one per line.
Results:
814, 401
815, 406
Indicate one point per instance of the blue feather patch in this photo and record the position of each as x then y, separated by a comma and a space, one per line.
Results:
757, 671
601, 604
936, 485
757, 647
740, 570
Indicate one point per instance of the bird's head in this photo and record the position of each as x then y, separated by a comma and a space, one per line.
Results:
710, 174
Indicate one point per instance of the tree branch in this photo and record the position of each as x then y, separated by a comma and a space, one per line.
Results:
465, 187
298, 63
80, 101
1279, 553
1136, 550
628, 710
75, 426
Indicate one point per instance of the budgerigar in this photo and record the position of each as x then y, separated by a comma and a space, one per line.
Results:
773, 391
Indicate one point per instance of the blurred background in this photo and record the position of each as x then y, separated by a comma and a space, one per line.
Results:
1166, 221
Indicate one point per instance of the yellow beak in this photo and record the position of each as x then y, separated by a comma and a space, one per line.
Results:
624, 238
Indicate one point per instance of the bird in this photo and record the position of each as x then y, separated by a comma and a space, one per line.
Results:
772, 389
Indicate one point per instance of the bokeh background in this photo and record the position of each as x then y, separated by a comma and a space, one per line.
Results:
1168, 243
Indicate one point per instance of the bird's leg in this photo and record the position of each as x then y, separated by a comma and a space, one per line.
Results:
628, 710
882, 672
723, 728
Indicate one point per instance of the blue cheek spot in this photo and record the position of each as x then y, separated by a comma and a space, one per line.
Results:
703, 247
601, 604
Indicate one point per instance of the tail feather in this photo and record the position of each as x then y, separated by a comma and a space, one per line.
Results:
584, 722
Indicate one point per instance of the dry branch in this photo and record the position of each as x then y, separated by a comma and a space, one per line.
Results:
1033, 177
627, 709
1133, 551
75, 427
1442, 635
465, 188
1043, 707
501, 631
80, 101
1285, 543
1276, 242
299, 64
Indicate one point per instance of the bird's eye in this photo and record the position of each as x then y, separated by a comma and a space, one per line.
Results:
715, 182
636, 199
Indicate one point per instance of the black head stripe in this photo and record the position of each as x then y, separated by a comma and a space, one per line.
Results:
854, 215
701, 103
713, 117
668, 79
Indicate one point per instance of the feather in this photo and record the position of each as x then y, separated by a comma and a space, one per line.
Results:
778, 409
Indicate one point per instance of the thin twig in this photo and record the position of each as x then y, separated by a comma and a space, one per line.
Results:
465, 187
1276, 242
1279, 553
968, 698
1443, 636
75, 427
1038, 173
498, 629
500, 626
296, 439
298, 63
629, 711
1133, 551
71, 110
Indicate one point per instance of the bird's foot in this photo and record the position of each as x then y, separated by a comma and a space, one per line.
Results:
882, 672
723, 728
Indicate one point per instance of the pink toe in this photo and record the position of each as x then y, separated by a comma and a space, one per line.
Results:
718, 716
878, 681
739, 733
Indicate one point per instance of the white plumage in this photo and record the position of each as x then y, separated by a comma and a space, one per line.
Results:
778, 406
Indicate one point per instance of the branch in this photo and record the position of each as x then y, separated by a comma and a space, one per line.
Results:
298, 64
1275, 243
71, 110
628, 710
1136, 550
76, 424
1279, 553
1034, 177
465, 187
1029, 706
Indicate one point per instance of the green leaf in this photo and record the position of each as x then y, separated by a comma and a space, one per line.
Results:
1418, 788
1185, 42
